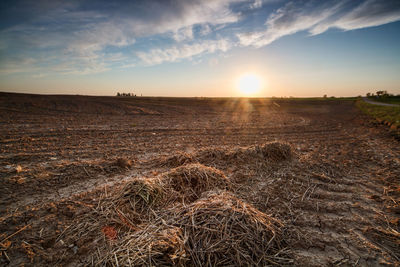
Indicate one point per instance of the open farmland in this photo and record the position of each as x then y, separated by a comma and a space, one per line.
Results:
204, 181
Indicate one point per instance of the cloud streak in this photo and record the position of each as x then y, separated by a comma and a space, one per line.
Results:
173, 54
80, 32
85, 37
317, 17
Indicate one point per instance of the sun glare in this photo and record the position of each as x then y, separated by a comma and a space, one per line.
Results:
249, 84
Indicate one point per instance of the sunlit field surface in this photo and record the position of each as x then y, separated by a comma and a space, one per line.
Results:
150, 181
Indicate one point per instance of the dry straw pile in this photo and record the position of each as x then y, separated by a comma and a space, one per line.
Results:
193, 179
222, 230
137, 199
148, 221
276, 151
269, 152
177, 160
125, 208
218, 229
155, 245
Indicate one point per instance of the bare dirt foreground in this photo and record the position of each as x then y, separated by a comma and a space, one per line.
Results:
203, 182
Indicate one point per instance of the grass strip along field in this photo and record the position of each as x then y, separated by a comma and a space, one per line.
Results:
389, 116
388, 99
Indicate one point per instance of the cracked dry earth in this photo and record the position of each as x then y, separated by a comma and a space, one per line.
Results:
338, 197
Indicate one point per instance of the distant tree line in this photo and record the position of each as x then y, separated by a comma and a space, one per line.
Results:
381, 94
125, 94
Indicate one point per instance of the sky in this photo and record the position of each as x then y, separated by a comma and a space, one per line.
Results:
187, 48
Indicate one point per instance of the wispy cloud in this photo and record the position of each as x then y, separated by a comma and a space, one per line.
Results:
368, 14
256, 4
176, 53
17, 65
79, 33
183, 34
88, 37
317, 17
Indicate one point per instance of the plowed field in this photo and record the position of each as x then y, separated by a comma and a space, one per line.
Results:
336, 196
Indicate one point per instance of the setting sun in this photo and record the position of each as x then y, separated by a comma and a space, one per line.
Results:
200, 132
249, 84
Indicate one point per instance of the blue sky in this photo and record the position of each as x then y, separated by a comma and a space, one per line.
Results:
200, 48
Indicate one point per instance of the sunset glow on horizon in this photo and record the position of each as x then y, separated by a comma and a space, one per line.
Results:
249, 84
198, 48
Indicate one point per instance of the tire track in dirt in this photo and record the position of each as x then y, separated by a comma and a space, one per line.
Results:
344, 210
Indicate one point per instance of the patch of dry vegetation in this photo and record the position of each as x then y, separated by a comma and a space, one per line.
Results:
270, 152
218, 229
222, 230
177, 160
136, 200
155, 245
128, 207
147, 221
193, 179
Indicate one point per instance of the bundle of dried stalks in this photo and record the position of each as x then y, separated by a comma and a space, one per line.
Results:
193, 179
224, 231
140, 193
156, 245
136, 200
126, 207
130, 209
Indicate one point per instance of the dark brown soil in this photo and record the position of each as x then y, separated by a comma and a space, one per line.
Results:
337, 195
